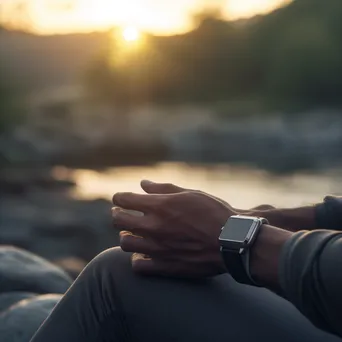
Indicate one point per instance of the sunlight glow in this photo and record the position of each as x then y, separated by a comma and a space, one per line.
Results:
247, 8
155, 16
130, 34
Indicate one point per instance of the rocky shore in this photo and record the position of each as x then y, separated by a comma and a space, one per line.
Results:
277, 142
39, 215
30, 287
39, 219
47, 236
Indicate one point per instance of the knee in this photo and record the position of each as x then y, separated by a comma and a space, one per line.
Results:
111, 262
108, 277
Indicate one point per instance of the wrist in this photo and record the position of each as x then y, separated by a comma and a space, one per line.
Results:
265, 256
290, 219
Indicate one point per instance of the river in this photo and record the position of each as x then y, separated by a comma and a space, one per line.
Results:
243, 187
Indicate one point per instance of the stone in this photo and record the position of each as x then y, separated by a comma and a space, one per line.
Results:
21, 321
24, 271
56, 225
8, 299
73, 266
16, 181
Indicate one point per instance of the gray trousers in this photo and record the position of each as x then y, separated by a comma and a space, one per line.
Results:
108, 302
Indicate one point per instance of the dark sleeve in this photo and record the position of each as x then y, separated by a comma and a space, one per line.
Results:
311, 276
329, 213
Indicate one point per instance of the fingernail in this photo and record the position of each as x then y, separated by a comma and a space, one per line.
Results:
115, 211
124, 233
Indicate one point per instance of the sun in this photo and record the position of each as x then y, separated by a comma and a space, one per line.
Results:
130, 34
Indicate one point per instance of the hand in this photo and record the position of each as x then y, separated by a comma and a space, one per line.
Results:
169, 188
178, 234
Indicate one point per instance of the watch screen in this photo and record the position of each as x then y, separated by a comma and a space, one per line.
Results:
236, 229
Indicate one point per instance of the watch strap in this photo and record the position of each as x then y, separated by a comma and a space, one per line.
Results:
246, 262
238, 262
235, 266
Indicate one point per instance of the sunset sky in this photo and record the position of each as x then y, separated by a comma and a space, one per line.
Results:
157, 16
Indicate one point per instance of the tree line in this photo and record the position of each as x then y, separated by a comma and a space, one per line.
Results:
290, 58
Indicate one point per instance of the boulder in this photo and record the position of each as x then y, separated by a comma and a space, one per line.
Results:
56, 225
73, 266
20, 322
19, 181
8, 299
24, 271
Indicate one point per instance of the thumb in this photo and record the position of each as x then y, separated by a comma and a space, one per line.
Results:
160, 188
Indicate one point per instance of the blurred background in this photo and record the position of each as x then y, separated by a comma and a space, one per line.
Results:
239, 98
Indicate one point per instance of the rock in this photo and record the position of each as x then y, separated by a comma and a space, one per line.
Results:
8, 299
24, 271
20, 322
73, 266
55, 225
19, 181
14, 150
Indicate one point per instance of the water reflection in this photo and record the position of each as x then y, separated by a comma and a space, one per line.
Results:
241, 186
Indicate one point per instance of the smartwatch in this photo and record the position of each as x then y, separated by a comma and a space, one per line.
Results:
236, 239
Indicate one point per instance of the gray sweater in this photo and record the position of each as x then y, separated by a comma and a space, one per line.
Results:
311, 268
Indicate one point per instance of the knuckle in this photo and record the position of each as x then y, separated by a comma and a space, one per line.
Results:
188, 193
138, 265
168, 200
196, 194
169, 186
121, 197
125, 243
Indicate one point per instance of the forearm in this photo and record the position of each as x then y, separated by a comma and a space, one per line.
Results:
305, 268
325, 215
290, 219
265, 256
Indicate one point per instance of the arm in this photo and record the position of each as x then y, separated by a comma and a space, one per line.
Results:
326, 215
179, 234
306, 268
289, 219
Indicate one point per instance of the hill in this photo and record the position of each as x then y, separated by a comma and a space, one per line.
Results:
36, 62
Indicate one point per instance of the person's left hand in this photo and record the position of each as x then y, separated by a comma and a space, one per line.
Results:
176, 236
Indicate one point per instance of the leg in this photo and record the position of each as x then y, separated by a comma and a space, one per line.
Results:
110, 303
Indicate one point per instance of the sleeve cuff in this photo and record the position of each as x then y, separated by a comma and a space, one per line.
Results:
329, 213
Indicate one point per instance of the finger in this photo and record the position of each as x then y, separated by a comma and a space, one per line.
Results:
137, 244
168, 188
145, 265
148, 266
264, 207
160, 188
132, 201
121, 218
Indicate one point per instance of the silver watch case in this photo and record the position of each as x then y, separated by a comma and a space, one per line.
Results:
240, 245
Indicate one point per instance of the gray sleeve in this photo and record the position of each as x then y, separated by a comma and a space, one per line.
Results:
311, 276
329, 213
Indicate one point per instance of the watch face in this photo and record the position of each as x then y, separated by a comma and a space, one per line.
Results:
236, 229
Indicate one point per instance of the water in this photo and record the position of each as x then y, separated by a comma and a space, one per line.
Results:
242, 187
